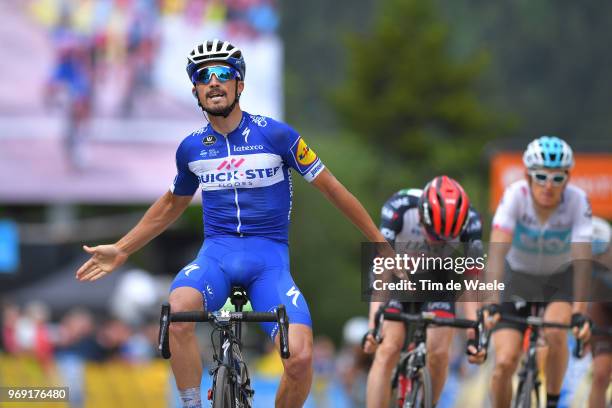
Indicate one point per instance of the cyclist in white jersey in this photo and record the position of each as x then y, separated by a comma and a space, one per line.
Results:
542, 226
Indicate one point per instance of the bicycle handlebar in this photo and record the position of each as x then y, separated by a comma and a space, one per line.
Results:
536, 321
430, 318
482, 335
223, 316
279, 316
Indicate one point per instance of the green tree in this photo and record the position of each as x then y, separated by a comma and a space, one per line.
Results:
406, 93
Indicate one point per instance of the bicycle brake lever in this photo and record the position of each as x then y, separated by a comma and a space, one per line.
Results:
482, 333
481, 339
164, 324
283, 329
578, 351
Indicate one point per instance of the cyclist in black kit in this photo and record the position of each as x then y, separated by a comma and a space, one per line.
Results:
440, 213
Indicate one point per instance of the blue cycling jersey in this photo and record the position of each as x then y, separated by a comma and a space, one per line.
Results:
244, 176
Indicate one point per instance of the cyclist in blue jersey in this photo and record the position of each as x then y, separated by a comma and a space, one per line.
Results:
242, 164
542, 226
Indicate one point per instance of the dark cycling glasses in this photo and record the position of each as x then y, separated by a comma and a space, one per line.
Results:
222, 72
542, 177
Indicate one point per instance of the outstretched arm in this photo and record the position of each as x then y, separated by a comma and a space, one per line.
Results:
335, 192
106, 258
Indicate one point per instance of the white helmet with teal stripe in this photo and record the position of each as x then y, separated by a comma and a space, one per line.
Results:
548, 152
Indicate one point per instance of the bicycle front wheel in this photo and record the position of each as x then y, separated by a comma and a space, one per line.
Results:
527, 393
222, 389
420, 394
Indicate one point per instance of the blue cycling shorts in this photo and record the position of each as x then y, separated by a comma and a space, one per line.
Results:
260, 265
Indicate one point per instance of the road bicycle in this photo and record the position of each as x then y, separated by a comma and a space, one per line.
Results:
411, 379
231, 386
528, 390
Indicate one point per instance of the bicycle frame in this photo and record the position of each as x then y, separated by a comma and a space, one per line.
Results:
230, 339
413, 364
417, 357
529, 366
229, 326
530, 362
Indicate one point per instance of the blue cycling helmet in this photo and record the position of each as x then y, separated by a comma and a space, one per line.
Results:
548, 152
215, 50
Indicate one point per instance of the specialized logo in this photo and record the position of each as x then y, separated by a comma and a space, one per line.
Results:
246, 134
295, 293
190, 268
304, 154
225, 346
209, 140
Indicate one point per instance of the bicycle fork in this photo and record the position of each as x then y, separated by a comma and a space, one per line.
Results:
530, 365
407, 370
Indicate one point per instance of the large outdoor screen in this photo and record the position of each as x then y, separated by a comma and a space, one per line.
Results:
94, 98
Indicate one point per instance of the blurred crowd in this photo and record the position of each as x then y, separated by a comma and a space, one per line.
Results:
62, 348
63, 345
79, 334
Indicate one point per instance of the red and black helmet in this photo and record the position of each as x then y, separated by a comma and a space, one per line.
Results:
443, 208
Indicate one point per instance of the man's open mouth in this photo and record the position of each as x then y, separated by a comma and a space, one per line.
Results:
212, 95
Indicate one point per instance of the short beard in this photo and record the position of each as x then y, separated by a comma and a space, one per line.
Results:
224, 112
